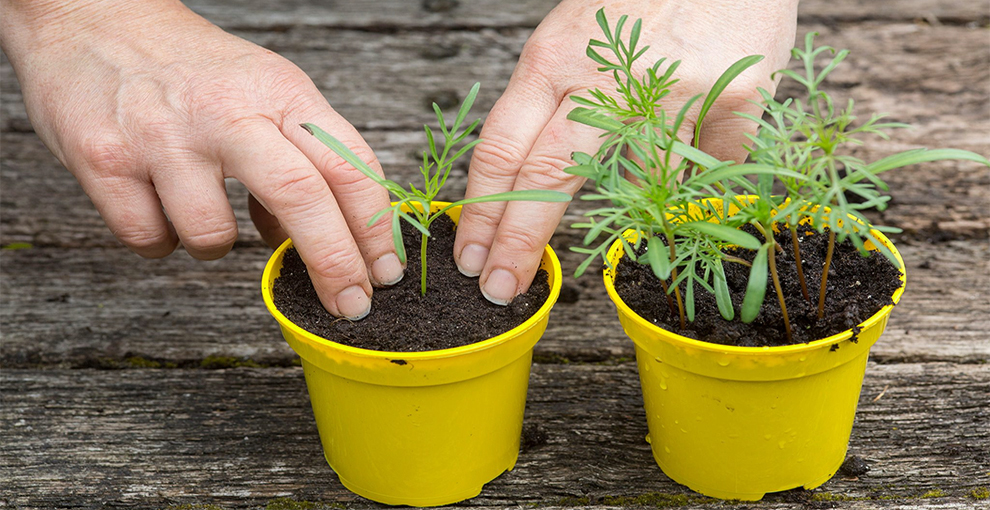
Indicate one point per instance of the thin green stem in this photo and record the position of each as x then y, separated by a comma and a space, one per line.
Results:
737, 260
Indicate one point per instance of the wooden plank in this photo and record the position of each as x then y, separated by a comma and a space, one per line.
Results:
240, 438
44, 205
380, 15
939, 69
89, 307
936, 78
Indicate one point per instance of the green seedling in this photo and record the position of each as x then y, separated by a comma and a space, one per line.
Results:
666, 201
635, 170
437, 163
807, 137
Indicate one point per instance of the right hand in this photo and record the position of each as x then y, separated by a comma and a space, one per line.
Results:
529, 141
151, 107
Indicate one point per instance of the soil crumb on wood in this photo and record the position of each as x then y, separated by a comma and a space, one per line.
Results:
452, 314
857, 288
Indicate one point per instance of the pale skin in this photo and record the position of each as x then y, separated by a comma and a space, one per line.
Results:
151, 107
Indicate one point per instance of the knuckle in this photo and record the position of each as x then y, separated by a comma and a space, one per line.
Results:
497, 152
488, 215
294, 187
338, 258
381, 229
517, 240
108, 156
285, 81
211, 240
541, 53
546, 171
341, 173
144, 240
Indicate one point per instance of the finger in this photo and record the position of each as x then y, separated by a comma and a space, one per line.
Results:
526, 226
510, 131
358, 196
280, 176
267, 224
195, 199
133, 212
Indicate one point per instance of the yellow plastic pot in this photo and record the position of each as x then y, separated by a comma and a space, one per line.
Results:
738, 422
418, 428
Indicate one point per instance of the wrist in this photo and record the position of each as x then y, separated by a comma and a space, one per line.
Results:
28, 26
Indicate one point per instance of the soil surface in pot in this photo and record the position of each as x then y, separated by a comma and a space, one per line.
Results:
857, 288
452, 314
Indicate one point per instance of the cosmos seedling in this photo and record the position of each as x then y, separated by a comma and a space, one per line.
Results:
806, 136
437, 163
667, 204
639, 144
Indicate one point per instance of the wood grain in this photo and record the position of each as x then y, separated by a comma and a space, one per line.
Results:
107, 399
239, 438
79, 307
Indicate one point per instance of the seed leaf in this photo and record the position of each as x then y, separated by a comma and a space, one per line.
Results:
756, 288
722, 297
656, 253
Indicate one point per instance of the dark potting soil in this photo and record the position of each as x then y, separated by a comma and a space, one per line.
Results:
452, 314
857, 288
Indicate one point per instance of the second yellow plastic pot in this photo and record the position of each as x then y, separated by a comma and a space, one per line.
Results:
738, 422
418, 428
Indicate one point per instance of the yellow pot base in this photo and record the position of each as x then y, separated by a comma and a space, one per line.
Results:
718, 493
433, 500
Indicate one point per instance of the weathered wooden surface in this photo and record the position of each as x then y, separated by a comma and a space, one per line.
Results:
243, 437
108, 304
147, 437
935, 77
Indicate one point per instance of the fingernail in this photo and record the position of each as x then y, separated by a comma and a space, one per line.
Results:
500, 287
472, 261
387, 270
353, 303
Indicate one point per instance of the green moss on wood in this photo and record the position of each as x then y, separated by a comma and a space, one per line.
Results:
215, 362
292, 504
574, 501
17, 246
934, 493
551, 359
980, 493
656, 499
649, 499
139, 362
830, 496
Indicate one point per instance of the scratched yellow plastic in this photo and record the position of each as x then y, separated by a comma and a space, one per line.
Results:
423, 428
738, 422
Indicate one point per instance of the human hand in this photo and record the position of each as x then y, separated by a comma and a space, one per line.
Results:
528, 139
151, 107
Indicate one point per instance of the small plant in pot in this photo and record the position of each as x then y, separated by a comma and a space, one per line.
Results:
420, 403
744, 393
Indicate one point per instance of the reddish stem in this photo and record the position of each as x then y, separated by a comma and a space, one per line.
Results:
828, 263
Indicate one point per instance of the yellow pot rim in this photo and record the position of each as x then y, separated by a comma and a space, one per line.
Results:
608, 276
275, 260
